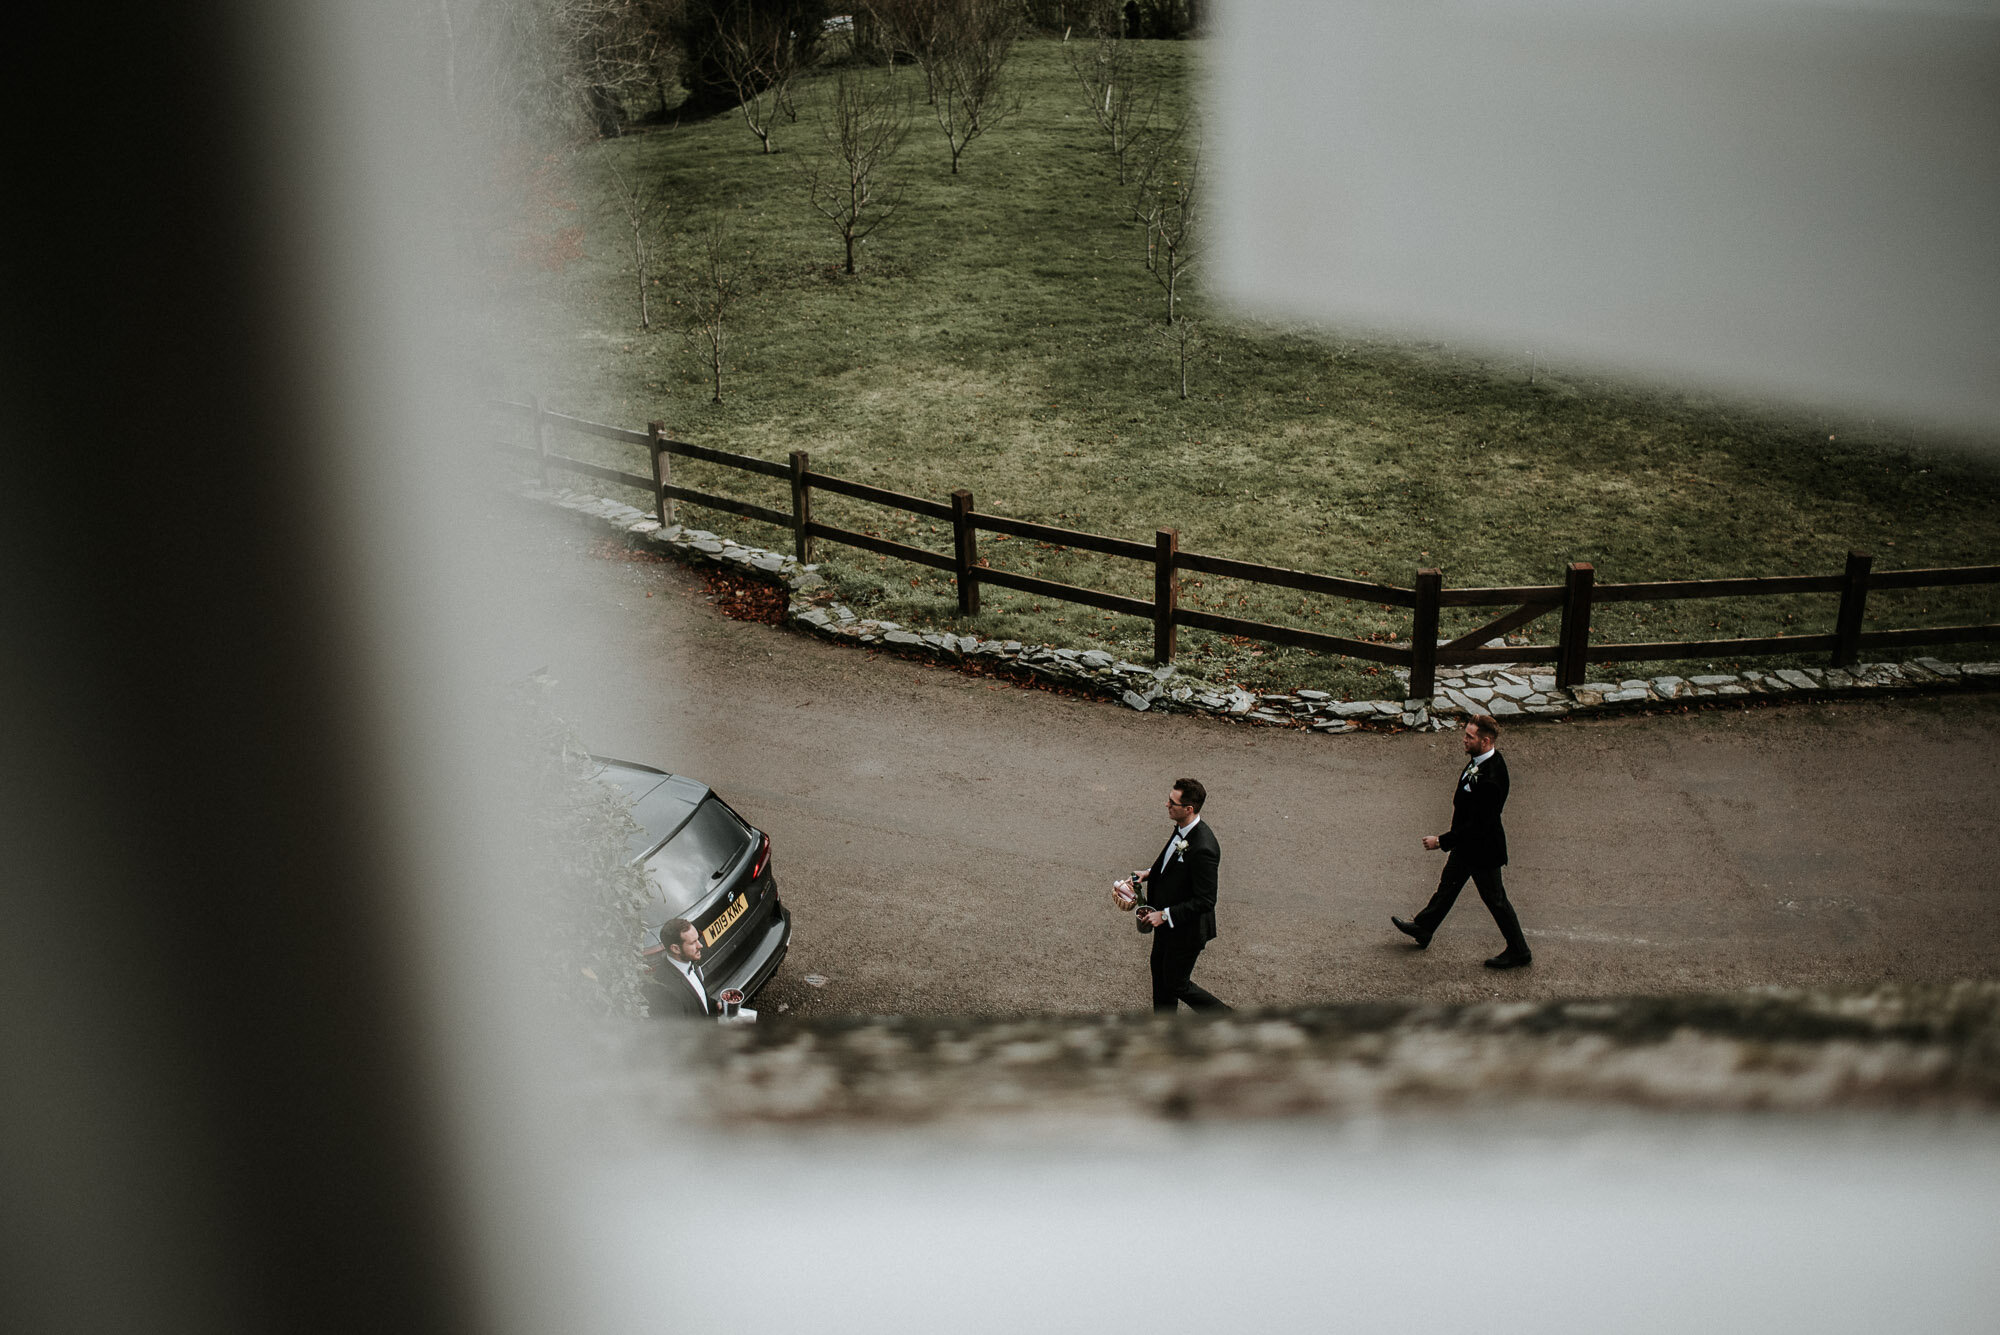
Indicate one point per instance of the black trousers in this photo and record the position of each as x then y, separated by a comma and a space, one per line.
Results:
1491, 890
1173, 961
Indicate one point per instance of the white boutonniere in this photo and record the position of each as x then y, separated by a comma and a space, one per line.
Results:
1178, 848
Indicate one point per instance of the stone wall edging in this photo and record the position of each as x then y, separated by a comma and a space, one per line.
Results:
1518, 693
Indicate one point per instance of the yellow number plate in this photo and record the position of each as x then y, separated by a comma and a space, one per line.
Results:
713, 932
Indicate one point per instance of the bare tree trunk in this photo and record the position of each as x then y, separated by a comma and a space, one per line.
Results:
639, 269
715, 361
1181, 336
757, 127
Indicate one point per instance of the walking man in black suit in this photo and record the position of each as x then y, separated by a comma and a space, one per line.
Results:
1179, 889
1477, 847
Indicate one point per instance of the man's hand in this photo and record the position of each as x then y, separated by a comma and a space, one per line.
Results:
1430, 841
1154, 917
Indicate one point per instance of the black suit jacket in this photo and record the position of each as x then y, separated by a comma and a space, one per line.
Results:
668, 993
1476, 835
1186, 884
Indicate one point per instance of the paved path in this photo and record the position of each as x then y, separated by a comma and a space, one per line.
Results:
947, 844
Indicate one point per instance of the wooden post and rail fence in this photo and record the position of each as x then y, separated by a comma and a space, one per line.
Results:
1571, 601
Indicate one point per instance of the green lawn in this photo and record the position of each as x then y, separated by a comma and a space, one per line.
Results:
1003, 335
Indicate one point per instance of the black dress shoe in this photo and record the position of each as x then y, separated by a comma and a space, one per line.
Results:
1507, 959
1410, 929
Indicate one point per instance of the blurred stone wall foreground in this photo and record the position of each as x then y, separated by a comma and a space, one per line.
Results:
1924, 1047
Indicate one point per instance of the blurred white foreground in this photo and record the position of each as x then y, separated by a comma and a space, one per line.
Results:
1502, 1221
1773, 197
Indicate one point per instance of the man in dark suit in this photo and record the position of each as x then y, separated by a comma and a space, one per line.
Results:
1477, 847
676, 987
1179, 889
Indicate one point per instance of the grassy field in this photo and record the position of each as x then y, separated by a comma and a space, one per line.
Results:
1003, 334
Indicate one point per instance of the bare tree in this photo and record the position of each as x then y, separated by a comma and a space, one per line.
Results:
975, 39
710, 290
1168, 203
643, 209
1181, 335
1118, 88
914, 28
757, 49
868, 42
861, 126
523, 86
557, 68
784, 33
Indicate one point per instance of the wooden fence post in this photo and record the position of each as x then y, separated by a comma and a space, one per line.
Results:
965, 552
1853, 602
1572, 662
656, 442
1166, 594
1424, 635
663, 471
802, 506
541, 441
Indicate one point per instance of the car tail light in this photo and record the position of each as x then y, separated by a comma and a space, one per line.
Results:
648, 952
763, 856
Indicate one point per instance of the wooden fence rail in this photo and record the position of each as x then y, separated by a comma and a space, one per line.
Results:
1571, 601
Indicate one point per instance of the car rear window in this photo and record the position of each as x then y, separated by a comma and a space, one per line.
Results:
684, 870
665, 808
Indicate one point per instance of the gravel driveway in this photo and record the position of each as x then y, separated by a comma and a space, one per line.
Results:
947, 843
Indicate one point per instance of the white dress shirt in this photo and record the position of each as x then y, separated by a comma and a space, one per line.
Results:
1180, 832
687, 971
